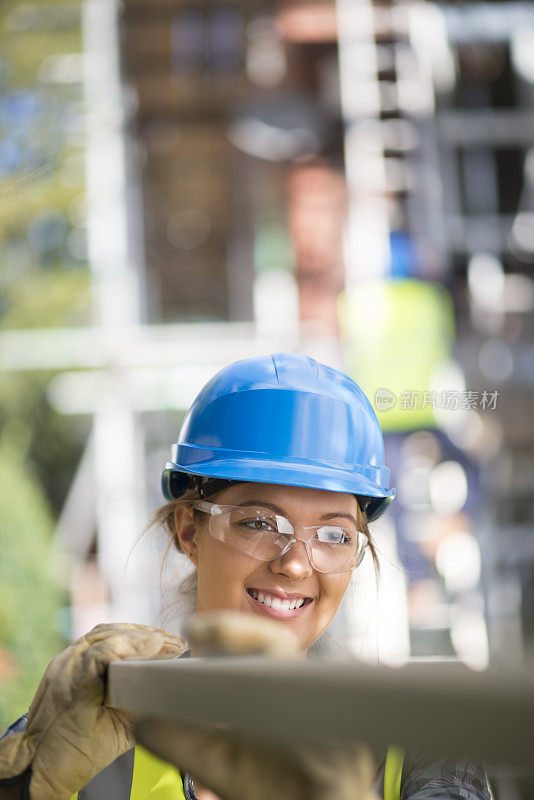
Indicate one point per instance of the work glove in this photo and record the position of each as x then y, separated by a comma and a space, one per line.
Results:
70, 735
238, 770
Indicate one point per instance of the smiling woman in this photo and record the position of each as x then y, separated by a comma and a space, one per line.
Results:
250, 558
290, 454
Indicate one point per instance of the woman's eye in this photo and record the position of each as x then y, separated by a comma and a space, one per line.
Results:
259, 524
334, 536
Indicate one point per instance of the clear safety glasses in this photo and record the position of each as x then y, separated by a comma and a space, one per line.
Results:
264, 535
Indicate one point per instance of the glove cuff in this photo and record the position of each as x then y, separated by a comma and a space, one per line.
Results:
24, 778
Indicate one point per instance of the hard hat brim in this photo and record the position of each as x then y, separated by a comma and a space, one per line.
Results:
175, 478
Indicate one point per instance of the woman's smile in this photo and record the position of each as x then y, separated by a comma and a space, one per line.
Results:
279, 605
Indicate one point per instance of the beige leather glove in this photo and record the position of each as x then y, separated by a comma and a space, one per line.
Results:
70, 736
237, 770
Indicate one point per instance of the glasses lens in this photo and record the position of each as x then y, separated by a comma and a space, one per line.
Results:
264, 535
255, 531
337, 549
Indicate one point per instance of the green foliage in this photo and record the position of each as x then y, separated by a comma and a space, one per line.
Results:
41, 126
29, 32
56, 298
54, 441
29, 597
44, 283
24, 196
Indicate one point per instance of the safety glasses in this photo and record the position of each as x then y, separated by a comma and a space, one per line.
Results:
264, 535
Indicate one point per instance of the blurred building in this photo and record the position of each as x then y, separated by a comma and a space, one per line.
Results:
354, 177
348, 178
379, 148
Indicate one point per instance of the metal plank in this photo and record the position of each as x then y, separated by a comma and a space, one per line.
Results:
438, 709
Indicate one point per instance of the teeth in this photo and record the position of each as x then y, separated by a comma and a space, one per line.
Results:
276, 602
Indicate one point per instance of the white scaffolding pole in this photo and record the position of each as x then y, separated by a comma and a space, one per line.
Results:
119, 451
366, 237
115, 279
379, 629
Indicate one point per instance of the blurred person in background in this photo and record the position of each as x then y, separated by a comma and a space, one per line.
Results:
278, 470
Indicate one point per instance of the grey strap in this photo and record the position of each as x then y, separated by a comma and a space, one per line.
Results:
114, 782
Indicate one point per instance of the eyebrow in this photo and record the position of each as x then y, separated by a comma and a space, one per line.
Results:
278, 510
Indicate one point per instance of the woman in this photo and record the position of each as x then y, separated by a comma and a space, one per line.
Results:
278, 469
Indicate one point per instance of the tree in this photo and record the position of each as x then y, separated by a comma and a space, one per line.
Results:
30, 597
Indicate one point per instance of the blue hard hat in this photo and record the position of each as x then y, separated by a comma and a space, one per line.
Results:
282, 419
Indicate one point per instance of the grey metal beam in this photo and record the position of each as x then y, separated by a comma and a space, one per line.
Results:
439, 709
489, 126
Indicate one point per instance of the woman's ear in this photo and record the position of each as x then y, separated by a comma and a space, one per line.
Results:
186, 531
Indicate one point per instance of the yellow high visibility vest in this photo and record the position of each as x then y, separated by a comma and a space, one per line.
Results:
154, 779
393, 773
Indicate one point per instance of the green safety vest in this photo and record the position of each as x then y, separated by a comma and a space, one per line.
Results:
150, 778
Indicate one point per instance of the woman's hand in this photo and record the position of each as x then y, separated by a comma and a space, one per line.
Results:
237, 770
70, 735
240, 771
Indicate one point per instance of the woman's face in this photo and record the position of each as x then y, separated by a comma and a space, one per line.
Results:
228, 578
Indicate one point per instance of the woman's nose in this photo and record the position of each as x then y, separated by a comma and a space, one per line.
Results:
295, 562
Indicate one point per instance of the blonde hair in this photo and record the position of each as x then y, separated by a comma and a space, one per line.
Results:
179, 602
